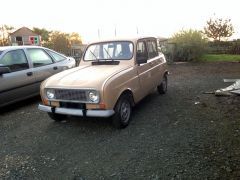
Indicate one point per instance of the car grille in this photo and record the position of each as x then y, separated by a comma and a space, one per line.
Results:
71, 95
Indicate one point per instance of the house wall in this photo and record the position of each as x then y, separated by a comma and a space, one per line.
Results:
25, 40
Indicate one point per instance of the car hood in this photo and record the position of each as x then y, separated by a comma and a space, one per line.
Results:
84, 76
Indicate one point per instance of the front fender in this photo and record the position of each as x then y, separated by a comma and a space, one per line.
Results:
117, 84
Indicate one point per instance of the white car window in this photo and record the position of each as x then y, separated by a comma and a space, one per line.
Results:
57, 57
39, 57
15, 60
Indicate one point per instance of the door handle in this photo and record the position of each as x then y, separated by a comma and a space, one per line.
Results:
29, 73
55, 67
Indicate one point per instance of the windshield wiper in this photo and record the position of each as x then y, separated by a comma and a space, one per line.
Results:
108, 54
94, 55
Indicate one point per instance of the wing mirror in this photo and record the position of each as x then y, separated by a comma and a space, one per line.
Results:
141, 58
4, 70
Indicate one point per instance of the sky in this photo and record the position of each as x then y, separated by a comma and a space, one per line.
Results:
105, 19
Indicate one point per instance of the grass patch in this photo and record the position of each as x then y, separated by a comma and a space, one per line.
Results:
220, 57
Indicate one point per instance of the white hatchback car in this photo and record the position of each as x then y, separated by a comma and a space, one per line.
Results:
23, 68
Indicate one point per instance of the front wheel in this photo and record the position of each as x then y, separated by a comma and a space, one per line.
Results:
57, 117
162, 88
123, 112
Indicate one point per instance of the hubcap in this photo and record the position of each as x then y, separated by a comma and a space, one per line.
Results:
125, 111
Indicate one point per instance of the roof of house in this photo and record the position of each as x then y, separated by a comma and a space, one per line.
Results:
24, 31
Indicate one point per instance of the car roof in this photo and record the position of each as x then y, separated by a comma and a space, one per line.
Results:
133, 39
3, 48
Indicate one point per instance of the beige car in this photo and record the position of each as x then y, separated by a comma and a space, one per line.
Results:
111, 78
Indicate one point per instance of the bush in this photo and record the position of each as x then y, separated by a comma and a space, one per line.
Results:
189, 45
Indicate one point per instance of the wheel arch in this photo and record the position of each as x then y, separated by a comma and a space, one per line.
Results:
126, 92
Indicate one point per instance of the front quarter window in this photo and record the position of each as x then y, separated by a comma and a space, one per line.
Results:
114, 50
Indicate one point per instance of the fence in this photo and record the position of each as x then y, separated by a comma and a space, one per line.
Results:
225, 47
75, 53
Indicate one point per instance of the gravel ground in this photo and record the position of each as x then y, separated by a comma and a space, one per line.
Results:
184, 134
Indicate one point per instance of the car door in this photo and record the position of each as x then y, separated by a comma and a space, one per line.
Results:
155, 61
62, 62
144, 70
19, 82
42, 64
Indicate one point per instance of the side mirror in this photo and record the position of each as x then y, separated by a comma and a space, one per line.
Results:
141, 59
4, 70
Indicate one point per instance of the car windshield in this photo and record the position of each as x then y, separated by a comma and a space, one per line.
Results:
114, 50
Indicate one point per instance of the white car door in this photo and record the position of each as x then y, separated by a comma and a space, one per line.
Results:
42, 64
19, 82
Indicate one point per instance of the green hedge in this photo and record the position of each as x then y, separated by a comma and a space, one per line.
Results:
189, 45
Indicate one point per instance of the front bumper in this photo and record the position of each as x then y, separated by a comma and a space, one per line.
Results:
76, 112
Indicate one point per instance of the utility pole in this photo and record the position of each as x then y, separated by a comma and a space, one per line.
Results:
137, 30
115, 32
98, 33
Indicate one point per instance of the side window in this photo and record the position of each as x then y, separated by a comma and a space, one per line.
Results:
142, 50
152, 49
57, 57
39, 57
15, 60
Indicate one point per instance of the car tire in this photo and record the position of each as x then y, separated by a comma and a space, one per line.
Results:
123, 112
57, 117
162, 88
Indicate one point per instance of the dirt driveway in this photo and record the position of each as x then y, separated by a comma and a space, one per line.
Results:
184, 134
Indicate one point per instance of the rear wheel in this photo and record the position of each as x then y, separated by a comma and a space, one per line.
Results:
123, 112
162, 88
57, 117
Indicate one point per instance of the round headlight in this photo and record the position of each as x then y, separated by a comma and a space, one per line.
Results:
50, 94
93, 96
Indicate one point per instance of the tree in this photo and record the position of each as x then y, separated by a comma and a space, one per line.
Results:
45, 34
218, 28
189, 45
75, 39
5, 32
59, 41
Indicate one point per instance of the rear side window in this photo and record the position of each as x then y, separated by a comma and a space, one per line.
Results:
57, 57
15, 60
39, 57
152, 48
